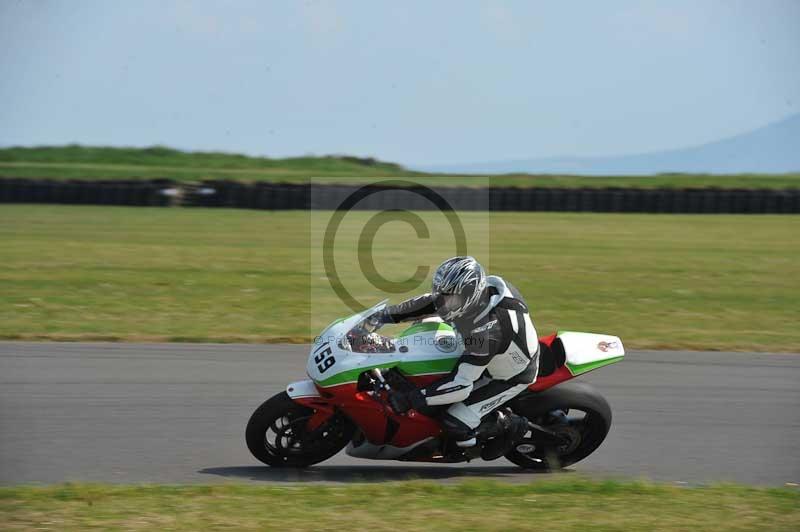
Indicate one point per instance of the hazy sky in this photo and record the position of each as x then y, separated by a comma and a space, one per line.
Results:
414, 82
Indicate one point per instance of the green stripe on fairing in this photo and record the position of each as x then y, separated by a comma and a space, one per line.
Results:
578, 369
423, 367
440, 365
426, 327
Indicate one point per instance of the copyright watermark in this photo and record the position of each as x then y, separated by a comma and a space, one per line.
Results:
383, 239
446, 343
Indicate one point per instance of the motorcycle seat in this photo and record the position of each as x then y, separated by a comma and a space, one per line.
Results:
551, 357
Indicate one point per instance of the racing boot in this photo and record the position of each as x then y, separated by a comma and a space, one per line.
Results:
507, 430
461, 434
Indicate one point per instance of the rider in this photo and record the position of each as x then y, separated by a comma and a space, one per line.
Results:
500, 353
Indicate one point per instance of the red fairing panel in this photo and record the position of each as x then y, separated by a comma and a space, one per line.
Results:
322, 410
371, 416
559, 375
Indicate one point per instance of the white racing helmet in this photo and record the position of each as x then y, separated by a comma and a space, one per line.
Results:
457, 287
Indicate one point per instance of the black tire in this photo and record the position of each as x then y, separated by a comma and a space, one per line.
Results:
586, 435
276, 434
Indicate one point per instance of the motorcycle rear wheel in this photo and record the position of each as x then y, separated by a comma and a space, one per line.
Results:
581, 436
277, 435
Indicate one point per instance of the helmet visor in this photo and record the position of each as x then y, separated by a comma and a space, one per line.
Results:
448, 303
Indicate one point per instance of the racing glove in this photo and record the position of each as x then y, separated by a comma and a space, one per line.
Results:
375, 321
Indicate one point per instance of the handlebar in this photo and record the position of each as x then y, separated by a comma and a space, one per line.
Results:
376, 372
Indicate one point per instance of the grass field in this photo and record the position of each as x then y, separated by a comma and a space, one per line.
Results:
136, 274
78, 162
562, 504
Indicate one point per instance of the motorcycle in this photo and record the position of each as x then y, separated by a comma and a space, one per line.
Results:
344, 401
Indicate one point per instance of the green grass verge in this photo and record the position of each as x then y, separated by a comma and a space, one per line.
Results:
572, 504
146, 274
79, 162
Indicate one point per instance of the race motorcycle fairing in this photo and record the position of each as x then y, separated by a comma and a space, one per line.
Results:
343, 403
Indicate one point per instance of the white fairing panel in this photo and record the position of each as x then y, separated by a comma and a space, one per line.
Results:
587, 351
327, 354
304, 388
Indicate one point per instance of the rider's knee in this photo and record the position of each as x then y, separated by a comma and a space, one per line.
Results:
465, 415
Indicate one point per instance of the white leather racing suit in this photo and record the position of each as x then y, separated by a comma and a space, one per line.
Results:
500, 357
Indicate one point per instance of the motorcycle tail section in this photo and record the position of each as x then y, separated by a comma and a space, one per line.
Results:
587, 351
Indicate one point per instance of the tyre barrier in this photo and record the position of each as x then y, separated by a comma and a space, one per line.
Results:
277, 196
283, 196
152, 193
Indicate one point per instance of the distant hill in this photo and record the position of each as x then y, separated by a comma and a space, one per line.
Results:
772, 149
158, 162
162, 156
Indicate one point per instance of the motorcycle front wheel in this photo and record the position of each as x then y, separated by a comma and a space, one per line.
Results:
277, 434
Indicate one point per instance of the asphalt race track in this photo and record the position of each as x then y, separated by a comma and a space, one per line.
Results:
175, 413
